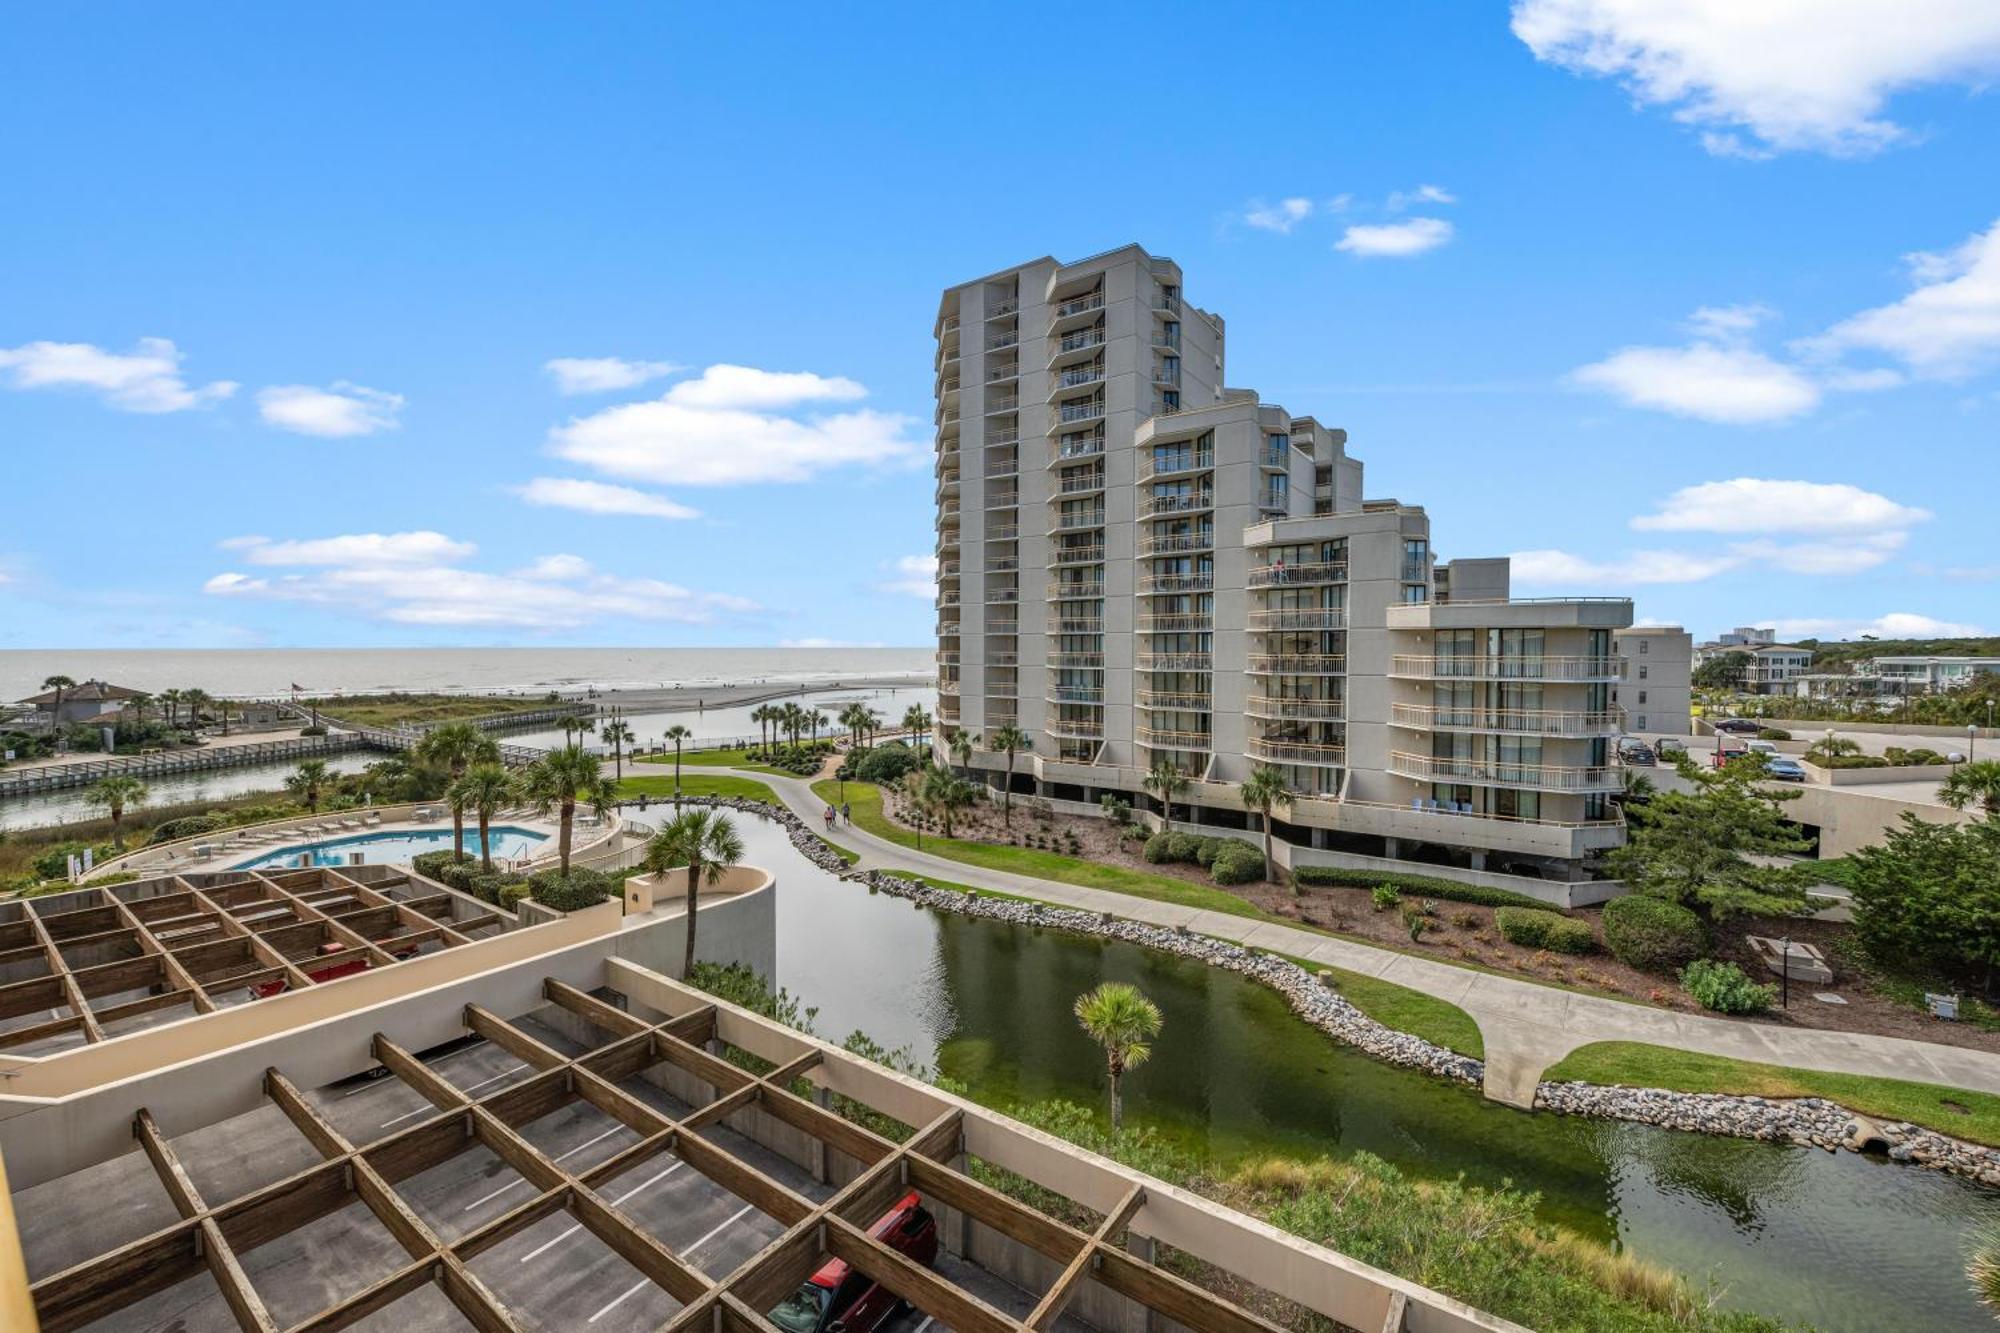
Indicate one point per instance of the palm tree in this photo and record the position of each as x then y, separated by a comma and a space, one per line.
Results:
1832, 747
759, 715
619, 733
61, 685
815, 719
1120, 1018
455, 747
918, 723
576, 727
484, 790
961, 747
1166, 781
139, 703
850, 717
1266, 788
946, 793
171, 701
1976, 782
558, 781
1009, 740
309, 783
707, 844
678, 733
117, 793
194, 697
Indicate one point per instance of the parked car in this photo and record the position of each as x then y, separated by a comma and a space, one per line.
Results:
1784, 770
1669, 746
1761, 747
1742, 726
1635, 752
838, 1297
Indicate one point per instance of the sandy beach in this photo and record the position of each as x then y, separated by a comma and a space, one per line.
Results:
695, 698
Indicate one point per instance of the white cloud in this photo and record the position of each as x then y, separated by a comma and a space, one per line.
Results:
1894, 625
1708, 381
1849, 555
146, 379
912, 576
603, 374
1280, 217
343, 410
362, 548
726, 428
1395, 240
555, 592
1424, 194
1750, 504
1948, 327
1635, 567
725, 386
1792, 74
600, 497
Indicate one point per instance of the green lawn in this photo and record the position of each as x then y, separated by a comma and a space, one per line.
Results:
696, 784
386, 710
1438, 1021
1969, 1115
711, 759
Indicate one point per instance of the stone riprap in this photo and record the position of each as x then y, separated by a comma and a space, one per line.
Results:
1805, 1121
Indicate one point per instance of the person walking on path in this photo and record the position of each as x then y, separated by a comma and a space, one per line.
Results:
847, 813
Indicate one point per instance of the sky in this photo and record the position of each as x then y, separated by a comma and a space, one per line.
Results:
470, 324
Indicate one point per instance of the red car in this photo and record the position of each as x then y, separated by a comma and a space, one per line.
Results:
329, 966
839, 1300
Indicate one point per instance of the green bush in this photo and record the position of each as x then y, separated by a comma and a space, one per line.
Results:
1184, 846
1451, 889
1899, 757
54, 863
1236, 863
1723, 988
1207, 849
512, 892
885, 763
1774, 734
432, 865
1652, 933
189, 826
1538, 928
1384, 896
115, 877
569, 893
315, 730
1116, 808
1159, 849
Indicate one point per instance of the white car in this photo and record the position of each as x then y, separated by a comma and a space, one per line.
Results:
1763, 747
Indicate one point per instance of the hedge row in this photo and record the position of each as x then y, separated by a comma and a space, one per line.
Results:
1228, 860
1537, 928
1652, 933
1449, 889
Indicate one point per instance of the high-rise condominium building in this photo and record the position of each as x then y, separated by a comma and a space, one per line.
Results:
1137, 565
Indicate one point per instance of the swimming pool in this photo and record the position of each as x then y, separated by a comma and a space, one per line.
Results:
396, 847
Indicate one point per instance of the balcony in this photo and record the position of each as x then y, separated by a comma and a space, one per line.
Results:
1506, 668
1161, 738
1090, 518
1295, 710
1194, 622
947, 629
947, 569
1297, 664
1060, 591
1077, 555
1074, 694
1081, 483
1077, 376
1562, 839
1076, 624
1080, 305
1002, 628
1081, 340
996, 374
946, 418
1076, 728
1177, 543
1154, 465
1002, 532
1165, 583
1002, 435
1003, 564
1168, 340
1175, 662
948, 686
1167, 303
996, 342
1497, 773
1078, 661
945, 599
1002, 499
1511, 722
1513, 613
1078, 446
950, 325
1157, 506
1266, 576
1297, 618
1002, 402
1176, 701
1005, 306
1001, 596
948, 384
1003, 661
1275, 751
1073, 412
1006, 467
947, 485
948, 510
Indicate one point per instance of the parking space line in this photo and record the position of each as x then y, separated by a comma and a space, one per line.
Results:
719, 1228
545, 1246
428, 1109
921, 1327
619, 1299
487, 1198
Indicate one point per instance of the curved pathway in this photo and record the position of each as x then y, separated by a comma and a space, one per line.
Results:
1526, 1027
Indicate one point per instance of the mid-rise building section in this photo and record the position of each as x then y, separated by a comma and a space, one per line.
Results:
1138, 565
1655, 667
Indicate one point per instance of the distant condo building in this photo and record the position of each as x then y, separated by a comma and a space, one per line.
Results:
1137, 564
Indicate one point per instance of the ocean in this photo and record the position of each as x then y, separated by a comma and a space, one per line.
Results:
270, 672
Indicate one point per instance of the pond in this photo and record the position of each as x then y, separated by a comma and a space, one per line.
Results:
1847, 1243
68, 805
732, 722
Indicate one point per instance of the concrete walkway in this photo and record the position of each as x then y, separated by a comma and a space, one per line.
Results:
1526, 1027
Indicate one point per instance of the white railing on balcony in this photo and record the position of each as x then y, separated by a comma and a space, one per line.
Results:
949, 326
949, 509
1276, 751
1003, 627
1265, 576
1005, 468
1072, 482
1175, 661
1161, 738
1167, 303
1496, 773
1185, 623
1078, 661
1003, 437
1079, 304
1154, 506
947, 599
1002, 402
1003, 661
1082, 411
946, 418
1007, 305
1505, 668
994, 374
1002, 532
950, 385
1077, 555
1159, 583
1297, 664
1532, 722
1154, 465
947, 686
1074, 694
1082, 338
1003, 595
1077, 446
1073, 522
1170, 339
1002, 499
1075, 728
1298, 618
1003, 564
998, 341
1076, 624
1176, 701
1175, 543
1074, 592
1295, 710
1077, 375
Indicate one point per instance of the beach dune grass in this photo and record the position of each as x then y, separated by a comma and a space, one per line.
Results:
388, 710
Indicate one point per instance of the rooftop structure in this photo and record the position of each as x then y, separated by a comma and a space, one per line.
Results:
89, 701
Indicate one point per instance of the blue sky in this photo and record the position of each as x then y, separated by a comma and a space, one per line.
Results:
1666, 298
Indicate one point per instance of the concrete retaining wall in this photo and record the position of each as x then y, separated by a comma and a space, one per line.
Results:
1864, 777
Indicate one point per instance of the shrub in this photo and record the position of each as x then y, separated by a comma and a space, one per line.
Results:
1774, 734
189, 826
1536, 928
1116, 808
568, 893
115, 877
1207, 849
1416, 922
1183, 846
432, 865
885, 763
54, 863
1236, 863
1723, 988
315, 730
1159, 849
512, 892
1384, 896
1342, 877
1652, 933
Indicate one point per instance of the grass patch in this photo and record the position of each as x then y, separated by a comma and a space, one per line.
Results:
1439, 1022
724, 785
742, 759
386, 710
1956, 1111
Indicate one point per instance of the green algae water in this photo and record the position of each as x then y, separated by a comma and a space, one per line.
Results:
1842, 1242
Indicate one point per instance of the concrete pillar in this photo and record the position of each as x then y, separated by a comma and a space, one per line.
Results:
1144, 1249
1392, 848
1479, 860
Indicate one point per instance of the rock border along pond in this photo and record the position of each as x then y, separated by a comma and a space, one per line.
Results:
1805, 1121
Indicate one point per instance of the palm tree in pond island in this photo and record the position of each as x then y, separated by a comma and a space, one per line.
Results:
618, 734
1124, 1022
678, 734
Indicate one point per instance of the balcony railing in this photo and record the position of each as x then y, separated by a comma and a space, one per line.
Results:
1002, 402
1002, 499
1160, 583
1265, 576
1162, 738
1076, 728
1154, 465
947, 686
1082, 411
1074, 592
1497, 773
1275, 751
1077, 555
1077, 305
1076, 624
1002, 627
1295, 710
1002, 595
1005, 468
1092, 518
1002, 532
1007, 305
1167, 304
1528, 722
1079, 446
1003, 564
1298, 618
997, 438
994, 374
1082, 338
1078, 661
1170, 339
1196, 622
1153, 506
1003, 661
999, 341
1175, 662
1175, 543
947, 599
1297, 664
1176, 701
1506, 668
1074, 694
950, 325
947, 659
1074, 483
949, 385
949, 509
1077, 375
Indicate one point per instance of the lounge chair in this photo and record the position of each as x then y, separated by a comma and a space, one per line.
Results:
371, 820
350, 823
